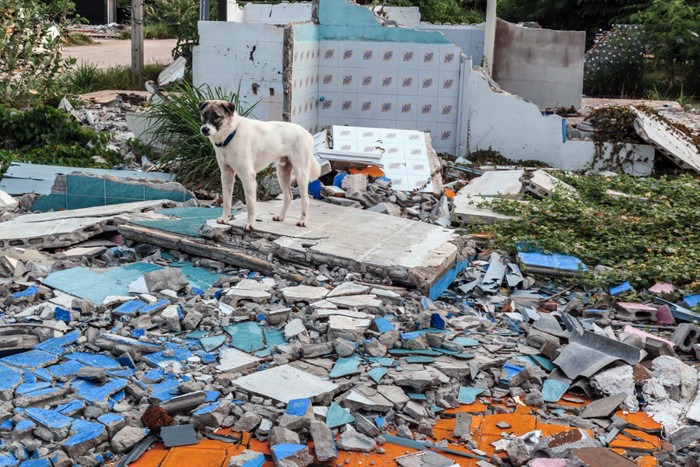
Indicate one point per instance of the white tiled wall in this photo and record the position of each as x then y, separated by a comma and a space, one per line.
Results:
390, 85
305, 85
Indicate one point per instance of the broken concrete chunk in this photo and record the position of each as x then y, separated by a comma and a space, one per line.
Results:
304, 293
127, 438
324, 442
352, 440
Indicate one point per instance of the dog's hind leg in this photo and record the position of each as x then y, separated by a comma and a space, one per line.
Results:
303, 184
228, 178
250, 188
284, 176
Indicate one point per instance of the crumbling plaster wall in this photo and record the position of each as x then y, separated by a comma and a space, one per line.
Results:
540, 65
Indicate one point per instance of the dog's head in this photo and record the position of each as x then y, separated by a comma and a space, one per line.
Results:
216, 115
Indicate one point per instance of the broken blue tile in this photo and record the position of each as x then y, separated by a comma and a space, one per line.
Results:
8, 460
247, 336
136, 333
84, 432
65, 368
93, 392
539, 261
207, 358
416, 396
109, 418
95, 359
419, 359
436, 321
125, 360
298, 407
51, 419
456, 354
166, 390
544, 362
36, 463
382, 325
427, 352
282, 451
466, 341
61, 314
436, 409
338, 416
212, 342
31, 359
467, 395
28, 292
154, 375
554, 389
196, 334
197, 291
383, 361
258, 461
510, 371
35, 389
56, 345
71, 408
212, 396
125, 373
273, 337
691, 300
129, 308
23, 426
180, 355
6, 425
377, 374
618, 289
153, 307
10, 378
42, 374
345, 366
206, 409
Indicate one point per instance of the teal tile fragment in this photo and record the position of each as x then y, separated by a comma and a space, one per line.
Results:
419, 359
377, 374
467, 395
338, 416
345, 366
466, 341
212, 342
554, 389
544, 362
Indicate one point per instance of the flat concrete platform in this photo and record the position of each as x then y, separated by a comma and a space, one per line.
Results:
401, 249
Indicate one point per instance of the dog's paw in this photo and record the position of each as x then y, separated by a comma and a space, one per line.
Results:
222, 220
301, 224
248, 227
278, 218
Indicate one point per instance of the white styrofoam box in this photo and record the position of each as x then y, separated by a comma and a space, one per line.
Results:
428, 82
327, 80
407, 108
386, 107
367, 81
388, 55
409, 56
407, 82
347, 107
329, 106
329, 54
348, 54
449, 84
447, 110
368, 55
347, 78
427, 108
388, 81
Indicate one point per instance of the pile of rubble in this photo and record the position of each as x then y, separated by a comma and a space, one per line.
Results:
113, 352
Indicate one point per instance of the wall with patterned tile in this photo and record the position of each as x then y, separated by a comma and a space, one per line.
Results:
304, 97
250, 54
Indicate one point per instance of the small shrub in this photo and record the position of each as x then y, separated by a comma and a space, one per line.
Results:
78, 38
88, 78
176, 121
157, 31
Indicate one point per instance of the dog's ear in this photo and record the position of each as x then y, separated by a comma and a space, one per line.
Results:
230, 107
202, 105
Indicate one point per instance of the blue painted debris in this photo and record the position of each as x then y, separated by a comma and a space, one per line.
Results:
180, 355
534, 260
467, 395
444, 282
416, 396
166, 390
71, 408
436, 321
377, 374
338, 416
258, 461
10, 378
31, 359
129, 308
510, 371
255, 338
93, 392
85, 431
109, 418
383, 325
691, 300
96, 360
544, 362
383, 361
345, 366
153, 307
8, 460
212, 396
56, 345
282, 451
51, 419
554, 389
618, 289
24, 426
28, 292
36, 463
65, 368
61, 315
206, 409
298, 407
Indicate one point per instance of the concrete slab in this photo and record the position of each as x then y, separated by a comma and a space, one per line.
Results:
66, 228
285, 383
467, 209
498, 183
406, 250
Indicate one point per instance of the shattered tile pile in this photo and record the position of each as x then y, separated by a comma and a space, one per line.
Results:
133, 354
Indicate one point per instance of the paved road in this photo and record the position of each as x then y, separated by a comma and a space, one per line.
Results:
106, 53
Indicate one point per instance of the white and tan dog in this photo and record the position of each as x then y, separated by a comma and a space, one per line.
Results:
244, 147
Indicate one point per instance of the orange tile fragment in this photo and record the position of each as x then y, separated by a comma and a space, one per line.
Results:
370, 170
639, 420
625, 442
185, 455
646, 461
642, 436
449, 193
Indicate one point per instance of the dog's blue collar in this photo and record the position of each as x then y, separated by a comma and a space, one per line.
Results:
226, 141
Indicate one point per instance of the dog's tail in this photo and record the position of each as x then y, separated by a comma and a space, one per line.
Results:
315, 171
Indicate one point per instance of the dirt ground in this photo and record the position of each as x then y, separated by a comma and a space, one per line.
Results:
106, 53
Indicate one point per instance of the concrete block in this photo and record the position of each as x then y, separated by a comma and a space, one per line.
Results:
686, 336
635, 311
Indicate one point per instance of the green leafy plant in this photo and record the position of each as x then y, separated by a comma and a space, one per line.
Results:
176, 122
642, 241
46, 135
31, 62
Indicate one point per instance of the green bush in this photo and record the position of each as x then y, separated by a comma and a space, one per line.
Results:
177, 122
46, 135
88, 78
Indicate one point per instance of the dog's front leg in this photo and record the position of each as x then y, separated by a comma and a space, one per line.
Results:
228, 178
250, 188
